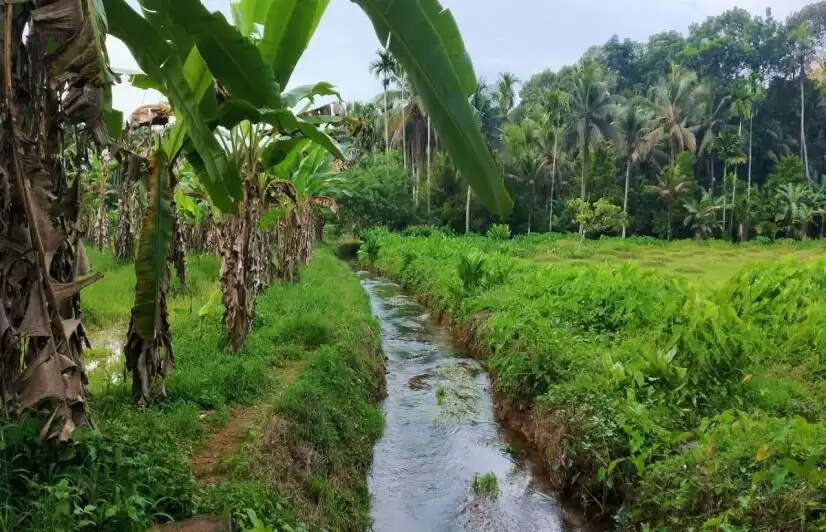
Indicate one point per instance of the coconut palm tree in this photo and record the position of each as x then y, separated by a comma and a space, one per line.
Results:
482, 101
524, 159
728, 147
794, 208
633, 128
591, 105
745, 98
702, 214
557, 108
384, 67
674, 100
804, 48
673, 183
506, 93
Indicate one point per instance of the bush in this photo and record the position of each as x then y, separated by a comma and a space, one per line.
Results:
471, 269
499, 232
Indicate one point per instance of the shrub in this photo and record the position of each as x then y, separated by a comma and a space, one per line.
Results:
471, 269
499, 232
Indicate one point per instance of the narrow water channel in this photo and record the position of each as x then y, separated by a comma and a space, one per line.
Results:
441, 432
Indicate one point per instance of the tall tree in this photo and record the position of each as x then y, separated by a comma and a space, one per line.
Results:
674, 99
804, 48
557, 107
729, 148
633, 127
384, 67
591, 105
506, 93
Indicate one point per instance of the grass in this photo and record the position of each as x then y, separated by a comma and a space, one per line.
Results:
712, 261
134, 469
486, 485
671, 400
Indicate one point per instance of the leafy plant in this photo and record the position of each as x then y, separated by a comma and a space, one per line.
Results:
499, 232
486, 485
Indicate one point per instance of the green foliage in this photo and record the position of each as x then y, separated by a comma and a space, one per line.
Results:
377, 193
119, 478
789, 169
660, 392
471, 270
444, 79
486, 485
597, 218
499, 232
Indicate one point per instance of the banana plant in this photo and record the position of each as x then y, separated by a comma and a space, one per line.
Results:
302, 187
217, 75
53, 57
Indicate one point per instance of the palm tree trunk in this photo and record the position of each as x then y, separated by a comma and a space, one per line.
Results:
404, 130
553, 183
725, 178
386, 126
733, 203
625, 203
748, 186
428, 168
804, 152
586, 156
467, 212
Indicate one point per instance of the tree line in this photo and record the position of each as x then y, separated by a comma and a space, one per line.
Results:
713, 134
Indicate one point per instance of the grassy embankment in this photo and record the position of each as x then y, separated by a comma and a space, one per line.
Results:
687, 403
308, 381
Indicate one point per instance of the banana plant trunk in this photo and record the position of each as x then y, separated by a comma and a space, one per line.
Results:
130, 171
237, 271
148, 349
41, 330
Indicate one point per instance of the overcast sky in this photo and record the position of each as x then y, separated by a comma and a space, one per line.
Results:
520, 36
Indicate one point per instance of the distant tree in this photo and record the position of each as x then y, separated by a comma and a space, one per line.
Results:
597, 218
674, 183
385, 67
558, 110
506, 93
728, 147
591, 105
633, 127
674, 100
702, 217
794, 208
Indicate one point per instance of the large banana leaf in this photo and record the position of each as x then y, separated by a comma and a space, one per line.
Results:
232, 58
163, 64
153, 249
288, 28
423, 36
233, 112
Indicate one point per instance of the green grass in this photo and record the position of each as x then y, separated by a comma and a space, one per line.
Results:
134, 469
712, 261
679, 400
486, 485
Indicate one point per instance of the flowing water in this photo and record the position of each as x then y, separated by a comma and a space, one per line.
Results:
441, 432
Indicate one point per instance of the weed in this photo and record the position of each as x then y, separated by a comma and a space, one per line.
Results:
486, 485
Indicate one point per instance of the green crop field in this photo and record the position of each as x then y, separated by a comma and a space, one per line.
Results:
696, 399
710, 261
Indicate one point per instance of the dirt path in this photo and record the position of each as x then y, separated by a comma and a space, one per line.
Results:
207, 463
